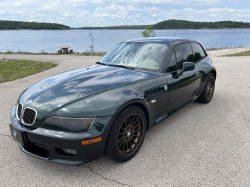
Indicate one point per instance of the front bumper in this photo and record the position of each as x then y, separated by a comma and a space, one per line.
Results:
49, 144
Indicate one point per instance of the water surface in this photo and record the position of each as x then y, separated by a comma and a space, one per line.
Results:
50, 41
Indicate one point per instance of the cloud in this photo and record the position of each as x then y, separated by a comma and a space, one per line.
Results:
155, 2
120, 12
67, 15
11, 12
212, 14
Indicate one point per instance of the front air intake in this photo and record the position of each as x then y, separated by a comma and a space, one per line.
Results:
29, 116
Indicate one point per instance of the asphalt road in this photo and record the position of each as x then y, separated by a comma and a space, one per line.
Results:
199, 145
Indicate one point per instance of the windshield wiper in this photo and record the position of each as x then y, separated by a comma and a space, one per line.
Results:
115, 65
121, 66
101, 63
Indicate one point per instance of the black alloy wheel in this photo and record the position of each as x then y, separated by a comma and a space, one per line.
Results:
208, 91
130, 134
127, 134
210, 88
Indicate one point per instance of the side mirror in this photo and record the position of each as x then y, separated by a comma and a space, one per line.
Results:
187, 66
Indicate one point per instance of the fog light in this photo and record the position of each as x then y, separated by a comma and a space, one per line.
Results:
69, 151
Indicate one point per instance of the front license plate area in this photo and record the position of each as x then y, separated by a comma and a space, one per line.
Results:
17, 135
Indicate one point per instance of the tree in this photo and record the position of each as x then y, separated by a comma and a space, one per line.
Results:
148, 32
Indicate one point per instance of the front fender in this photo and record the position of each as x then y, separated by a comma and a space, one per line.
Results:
101, 104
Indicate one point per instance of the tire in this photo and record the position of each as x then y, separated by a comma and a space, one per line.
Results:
208, 91
126, 135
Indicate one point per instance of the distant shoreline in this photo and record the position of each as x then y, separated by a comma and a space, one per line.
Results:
115, 29
100, 53
35, 29
171, 24
213, 52
171, 29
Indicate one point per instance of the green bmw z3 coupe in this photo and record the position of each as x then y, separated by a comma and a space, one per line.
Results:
76, 116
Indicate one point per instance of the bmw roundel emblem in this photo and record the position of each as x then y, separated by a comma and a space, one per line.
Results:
15, 133
28, 102
165, 87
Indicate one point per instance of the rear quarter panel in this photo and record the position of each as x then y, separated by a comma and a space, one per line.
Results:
206, 67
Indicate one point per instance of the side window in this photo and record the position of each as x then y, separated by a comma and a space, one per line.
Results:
183, 54
172, 63
198, 52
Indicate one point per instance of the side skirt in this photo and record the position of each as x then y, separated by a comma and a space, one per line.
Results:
159, 119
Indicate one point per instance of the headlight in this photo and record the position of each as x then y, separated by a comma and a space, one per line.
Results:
67, 124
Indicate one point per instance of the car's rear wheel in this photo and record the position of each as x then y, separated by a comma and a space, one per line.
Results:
208, 91
127, 134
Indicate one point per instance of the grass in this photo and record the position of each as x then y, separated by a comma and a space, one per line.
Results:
16, 69
213, 49
86, 53
7, 53
245, 53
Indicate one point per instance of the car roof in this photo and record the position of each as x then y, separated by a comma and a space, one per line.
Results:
166, 40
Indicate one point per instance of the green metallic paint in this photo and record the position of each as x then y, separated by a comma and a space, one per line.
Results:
87, 92
104, 98
66, 140
102, 92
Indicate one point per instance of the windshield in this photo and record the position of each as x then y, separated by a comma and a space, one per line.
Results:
137, 55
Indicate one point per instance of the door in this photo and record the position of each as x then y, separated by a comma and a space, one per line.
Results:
182, 87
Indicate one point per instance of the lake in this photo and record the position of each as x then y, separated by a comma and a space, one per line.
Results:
37, 41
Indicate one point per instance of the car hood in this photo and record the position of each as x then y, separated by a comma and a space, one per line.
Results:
64, 88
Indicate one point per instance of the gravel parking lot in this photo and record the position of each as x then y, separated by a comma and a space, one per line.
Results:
199, 145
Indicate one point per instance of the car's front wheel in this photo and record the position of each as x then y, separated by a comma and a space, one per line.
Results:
127, 134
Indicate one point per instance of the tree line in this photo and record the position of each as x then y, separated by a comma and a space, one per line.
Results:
168, 24
15, 25
122, 27
182, 24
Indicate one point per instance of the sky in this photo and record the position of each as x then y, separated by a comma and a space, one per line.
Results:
77, 13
